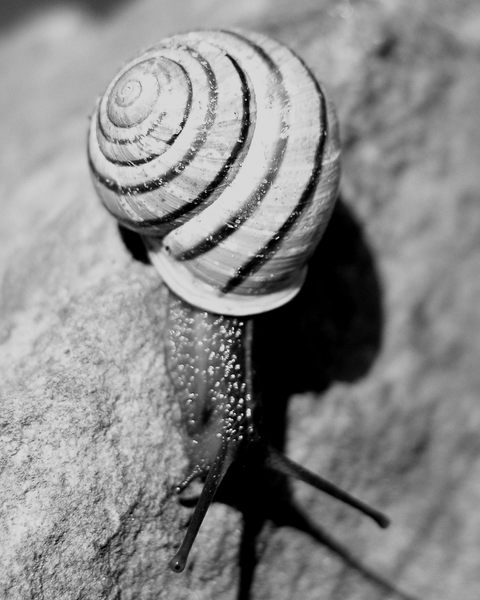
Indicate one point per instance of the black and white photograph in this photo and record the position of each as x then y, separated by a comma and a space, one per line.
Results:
240, 300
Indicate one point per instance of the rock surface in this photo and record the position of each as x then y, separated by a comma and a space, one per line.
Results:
383, 377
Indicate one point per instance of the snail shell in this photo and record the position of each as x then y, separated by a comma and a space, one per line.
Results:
221, 149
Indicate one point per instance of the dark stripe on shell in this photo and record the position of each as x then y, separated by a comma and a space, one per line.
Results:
224, 171
156, 183
253, 201
137, 138
269, 249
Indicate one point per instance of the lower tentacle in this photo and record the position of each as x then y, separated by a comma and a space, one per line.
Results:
280, 463
216, 473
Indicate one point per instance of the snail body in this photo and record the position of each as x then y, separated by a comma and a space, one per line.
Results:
221, 150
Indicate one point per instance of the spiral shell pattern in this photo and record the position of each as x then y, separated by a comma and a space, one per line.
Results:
221, 149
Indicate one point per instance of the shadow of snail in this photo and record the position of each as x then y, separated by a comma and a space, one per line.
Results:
221, 150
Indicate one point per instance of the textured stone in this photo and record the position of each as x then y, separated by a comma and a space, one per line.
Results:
378, 357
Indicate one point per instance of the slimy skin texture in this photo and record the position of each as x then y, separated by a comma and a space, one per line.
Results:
208, 361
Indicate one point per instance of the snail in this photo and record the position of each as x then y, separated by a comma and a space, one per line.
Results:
221, 149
